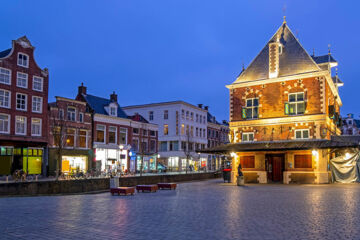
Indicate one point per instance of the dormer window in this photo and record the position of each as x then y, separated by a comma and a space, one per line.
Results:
113, 111
23, 60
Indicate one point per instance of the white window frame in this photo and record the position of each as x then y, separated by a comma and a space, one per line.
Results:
124, 130
32, 104
32, 134
61, 114
72, 114
96, 129
86, 138
26, 101
21, 64
248, 134
26, 79
302, 133
296, 103
252, 107
42, 83
8, 124
116, 137
151, 116
1, 69
25, 125
9, 98
114, 114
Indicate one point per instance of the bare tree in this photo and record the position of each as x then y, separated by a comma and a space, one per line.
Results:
58, 130
187, 150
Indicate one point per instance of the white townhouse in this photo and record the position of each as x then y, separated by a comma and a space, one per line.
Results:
182, 131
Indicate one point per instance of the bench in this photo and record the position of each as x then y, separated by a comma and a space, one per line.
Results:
170, 186
122, 190
147, 188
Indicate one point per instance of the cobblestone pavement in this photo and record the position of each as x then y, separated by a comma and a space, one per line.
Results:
196, 210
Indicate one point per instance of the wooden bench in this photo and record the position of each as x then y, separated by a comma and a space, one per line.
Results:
147, 188
170, 186
122, 190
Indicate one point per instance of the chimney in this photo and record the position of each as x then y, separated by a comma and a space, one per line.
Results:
224, 122
350, 115
82, 89
206, 108
200, 105
113, 97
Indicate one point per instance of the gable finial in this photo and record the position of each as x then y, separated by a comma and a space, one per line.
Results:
243, 67
329, 48
284, 22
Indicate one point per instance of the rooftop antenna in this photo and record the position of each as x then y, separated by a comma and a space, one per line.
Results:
243, 67
329, 52
314, 52
297, 34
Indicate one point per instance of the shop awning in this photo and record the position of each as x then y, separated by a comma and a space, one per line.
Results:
335, 142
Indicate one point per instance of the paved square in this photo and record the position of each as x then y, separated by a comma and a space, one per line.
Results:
196, 210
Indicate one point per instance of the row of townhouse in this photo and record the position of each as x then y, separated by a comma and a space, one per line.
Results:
91, 132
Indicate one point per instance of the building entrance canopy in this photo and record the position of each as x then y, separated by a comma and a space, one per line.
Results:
285, 145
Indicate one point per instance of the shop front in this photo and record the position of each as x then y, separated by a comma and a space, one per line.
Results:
72, 160
20, 158
149, 163
111, 159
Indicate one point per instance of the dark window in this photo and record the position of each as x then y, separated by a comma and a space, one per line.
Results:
247, 161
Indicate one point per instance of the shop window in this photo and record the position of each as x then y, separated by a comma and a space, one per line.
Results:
23, 60
70, 137
100, 133
152, 146
247, 161
166, 129
302, 134
82, 138
123, 136
38, 83
303, 161
112, 134
5, 76
248, 137
296, 103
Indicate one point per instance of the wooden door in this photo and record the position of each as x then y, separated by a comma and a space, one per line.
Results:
275, 167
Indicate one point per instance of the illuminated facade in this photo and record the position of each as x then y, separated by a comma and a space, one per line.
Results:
285, 96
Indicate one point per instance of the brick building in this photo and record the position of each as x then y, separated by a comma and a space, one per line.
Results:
70, 131
350, 125
116, 136
23, 109
217, 135
284, 111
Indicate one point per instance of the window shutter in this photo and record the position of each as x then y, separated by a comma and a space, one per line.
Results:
286, 108
244, 112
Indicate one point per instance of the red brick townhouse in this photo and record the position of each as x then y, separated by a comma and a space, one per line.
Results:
115, 136
23, 109
70, 131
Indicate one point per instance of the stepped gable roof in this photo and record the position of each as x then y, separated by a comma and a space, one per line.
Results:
293, 60
324, 59
98, 104
5, 53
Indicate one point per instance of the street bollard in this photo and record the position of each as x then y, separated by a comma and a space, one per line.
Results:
36, 177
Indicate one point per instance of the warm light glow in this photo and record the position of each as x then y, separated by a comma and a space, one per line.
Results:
130, 154
121, 147
233, 154
158, 155
347, 156
314, 153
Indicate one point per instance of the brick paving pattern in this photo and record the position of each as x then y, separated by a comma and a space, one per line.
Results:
196, 210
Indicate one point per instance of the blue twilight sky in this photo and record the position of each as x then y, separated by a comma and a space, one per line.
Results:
163, 50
